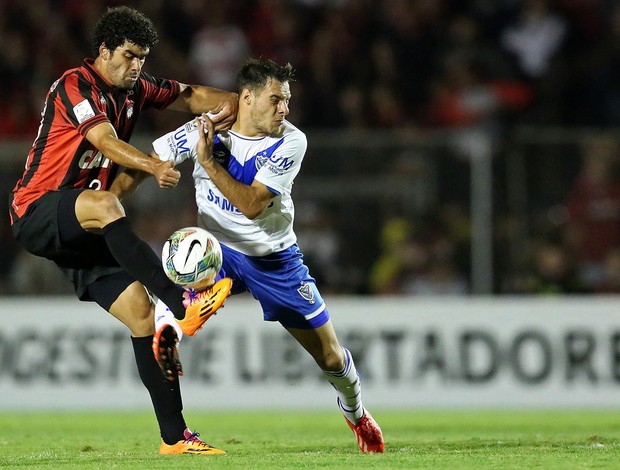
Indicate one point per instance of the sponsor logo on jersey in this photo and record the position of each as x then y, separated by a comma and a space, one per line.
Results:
279, 165
180, 139
222, 202
93, 159
83, 111
306, 291
171, 145
129, 109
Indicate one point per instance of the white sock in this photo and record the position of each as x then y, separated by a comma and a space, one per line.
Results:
349, 389
163, 316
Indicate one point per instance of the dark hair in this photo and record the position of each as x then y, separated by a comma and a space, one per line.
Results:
255, 74
122, 24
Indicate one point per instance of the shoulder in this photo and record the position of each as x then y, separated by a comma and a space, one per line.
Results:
294, 136
78, 76
74, 86
291, 130
163, 84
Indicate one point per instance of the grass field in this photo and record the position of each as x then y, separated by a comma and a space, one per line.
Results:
434, 440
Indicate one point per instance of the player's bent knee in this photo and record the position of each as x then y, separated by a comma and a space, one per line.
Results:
135, 309
110, 207
142, 326
141, 322
95, 209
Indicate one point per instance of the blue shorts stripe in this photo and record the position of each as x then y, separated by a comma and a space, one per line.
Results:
318, 311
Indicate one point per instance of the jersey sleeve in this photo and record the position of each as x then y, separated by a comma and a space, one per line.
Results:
178, 145
158, 93
279, 171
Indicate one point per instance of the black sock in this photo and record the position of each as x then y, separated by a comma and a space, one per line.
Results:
138, 259
165, 395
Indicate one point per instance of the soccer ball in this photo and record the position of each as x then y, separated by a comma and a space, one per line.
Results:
192, 257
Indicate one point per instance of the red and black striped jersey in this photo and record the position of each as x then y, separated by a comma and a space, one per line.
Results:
61, 156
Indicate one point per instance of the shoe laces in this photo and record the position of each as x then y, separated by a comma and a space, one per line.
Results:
192, 296
194, 439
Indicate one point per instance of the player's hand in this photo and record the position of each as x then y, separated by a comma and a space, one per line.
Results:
165, 174
225, 113
204, 149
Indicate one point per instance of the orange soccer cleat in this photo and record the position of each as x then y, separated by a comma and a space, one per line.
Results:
368, 434
166, 352
190, 445
200, 305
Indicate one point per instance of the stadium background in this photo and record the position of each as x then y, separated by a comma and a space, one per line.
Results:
458, 151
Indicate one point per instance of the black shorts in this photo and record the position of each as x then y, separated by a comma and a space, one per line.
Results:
50, 229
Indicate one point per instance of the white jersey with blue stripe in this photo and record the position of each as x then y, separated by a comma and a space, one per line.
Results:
271, 160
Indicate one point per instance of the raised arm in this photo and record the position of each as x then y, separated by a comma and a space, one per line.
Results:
198, 99
252, 199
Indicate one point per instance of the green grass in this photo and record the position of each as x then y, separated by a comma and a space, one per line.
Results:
434, 440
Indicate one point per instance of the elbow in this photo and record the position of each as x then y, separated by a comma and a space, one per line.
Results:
255, 203
252, 213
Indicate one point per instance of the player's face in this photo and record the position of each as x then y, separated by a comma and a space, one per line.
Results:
270, 108
123, 65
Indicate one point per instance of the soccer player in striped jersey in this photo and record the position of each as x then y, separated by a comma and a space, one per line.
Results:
243, 179
66, 207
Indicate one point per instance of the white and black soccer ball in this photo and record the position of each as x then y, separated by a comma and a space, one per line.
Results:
192, 257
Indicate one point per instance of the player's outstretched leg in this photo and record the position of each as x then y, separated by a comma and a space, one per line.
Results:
348, 386
139, 260
201, 305
191, 444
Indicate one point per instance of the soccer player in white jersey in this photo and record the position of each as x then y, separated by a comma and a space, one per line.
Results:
243, 179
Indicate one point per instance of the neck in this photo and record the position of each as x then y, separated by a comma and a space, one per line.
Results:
98, 66
243, 127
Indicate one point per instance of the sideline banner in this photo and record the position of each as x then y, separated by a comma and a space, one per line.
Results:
59, 353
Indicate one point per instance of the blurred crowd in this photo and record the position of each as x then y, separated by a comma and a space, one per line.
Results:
477, 67
361, 63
